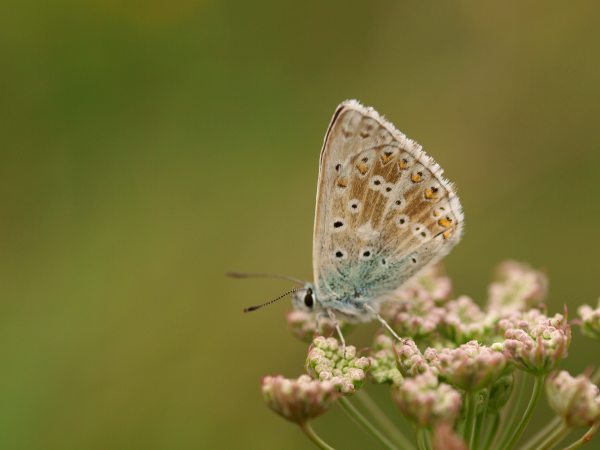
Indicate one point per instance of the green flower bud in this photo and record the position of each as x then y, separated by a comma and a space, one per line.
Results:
326, 360
383, 361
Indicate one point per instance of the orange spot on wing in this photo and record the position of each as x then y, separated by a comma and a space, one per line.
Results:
362, 167
342, 182
445, 222
386, 157
403, 165
430, 193
447, 234
416, 177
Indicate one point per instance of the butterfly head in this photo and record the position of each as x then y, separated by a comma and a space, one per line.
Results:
305, 299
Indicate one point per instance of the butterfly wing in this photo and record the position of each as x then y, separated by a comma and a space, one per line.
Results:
384, 211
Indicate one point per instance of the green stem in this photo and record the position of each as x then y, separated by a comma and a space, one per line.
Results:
480, 420
428, 438
513, 409
587, 437
471, 407
421, 439
540, 435
308, 430
364, 422
383, 421
491, 434
538, 386
555, 437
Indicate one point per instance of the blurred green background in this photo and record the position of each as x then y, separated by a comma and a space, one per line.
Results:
148, 147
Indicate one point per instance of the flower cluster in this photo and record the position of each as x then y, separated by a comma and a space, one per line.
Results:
470, 367
590, 320
427, 402
517, 287
453, 369
575, 399
328, 361
414, 309
383, 361
410, 360
464, 321
298, 400
534, 342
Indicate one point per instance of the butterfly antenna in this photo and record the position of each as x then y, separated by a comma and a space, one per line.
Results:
255, 307
264, 275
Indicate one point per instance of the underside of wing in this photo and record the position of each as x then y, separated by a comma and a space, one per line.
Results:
384, 211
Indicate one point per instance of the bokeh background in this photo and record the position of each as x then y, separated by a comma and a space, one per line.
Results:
148, 147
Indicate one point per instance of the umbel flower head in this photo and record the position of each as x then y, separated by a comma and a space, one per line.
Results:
427, 402
517, 287
413, 309
470, 367
590, 320
534, 342
464, 321
417, 317
327, 361
575, 399
430, 284
383, 361
298, 400
410, 360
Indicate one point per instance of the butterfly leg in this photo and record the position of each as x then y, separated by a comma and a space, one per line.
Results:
338, 329
318, 318
383, 322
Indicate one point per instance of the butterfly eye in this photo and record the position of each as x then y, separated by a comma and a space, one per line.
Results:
308, 299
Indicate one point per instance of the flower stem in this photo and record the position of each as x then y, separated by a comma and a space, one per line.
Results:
538, 386
382, 420
512, 409
587, 437
491, 434
364, 422
555, 437
308, 430
540, 435
421, 443
480, 420
471, 407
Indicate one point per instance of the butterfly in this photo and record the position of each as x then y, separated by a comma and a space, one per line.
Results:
384, 212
